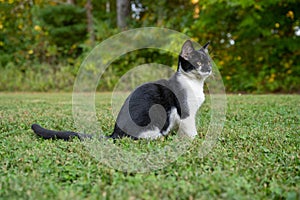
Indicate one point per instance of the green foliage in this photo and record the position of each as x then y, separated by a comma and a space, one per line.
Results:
16, 34
255, 44
66, 24
133, 59
263, 56
253, 159
37, 78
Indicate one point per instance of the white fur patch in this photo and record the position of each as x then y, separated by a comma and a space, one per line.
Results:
195, 97
150, 134
194, 90
155, 133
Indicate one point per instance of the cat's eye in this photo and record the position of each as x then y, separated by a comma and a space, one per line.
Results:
199, 64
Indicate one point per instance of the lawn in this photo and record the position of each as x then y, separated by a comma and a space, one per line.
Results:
257, 156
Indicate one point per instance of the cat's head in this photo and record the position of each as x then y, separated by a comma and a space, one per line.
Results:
194, 63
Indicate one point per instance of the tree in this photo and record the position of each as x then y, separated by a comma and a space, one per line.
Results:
71, 2
255, 42
123, 11
90, 24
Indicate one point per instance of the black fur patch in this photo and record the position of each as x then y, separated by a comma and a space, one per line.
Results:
185, 65
148, 95
140, 102
119, 133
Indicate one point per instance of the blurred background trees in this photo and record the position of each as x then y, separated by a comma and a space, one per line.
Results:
255, 44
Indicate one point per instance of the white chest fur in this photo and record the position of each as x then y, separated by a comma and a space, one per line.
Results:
195, 98
194, 92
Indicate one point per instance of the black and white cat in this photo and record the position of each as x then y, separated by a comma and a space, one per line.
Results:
153, 109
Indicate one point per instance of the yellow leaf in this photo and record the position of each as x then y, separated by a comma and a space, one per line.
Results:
257, 6
30, 52
74, 46
37, 28
286, 65
290, 14
196, 12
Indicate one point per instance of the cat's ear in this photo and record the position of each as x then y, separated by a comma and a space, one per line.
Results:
205, 46
187, 49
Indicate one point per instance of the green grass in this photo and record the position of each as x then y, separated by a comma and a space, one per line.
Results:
257, 155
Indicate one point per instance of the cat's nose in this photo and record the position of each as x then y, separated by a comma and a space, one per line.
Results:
207, 70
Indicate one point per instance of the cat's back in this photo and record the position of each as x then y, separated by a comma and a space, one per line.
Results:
151, 91
148, 95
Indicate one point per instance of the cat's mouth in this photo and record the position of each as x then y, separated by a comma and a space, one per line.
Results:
202, 74
205, 73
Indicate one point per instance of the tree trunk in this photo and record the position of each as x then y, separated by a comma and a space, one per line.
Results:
71, 2
90, 25
123, 11
107, 6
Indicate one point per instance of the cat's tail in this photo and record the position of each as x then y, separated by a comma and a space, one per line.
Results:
65, 135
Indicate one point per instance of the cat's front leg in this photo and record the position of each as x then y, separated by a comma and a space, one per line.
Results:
187, 127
